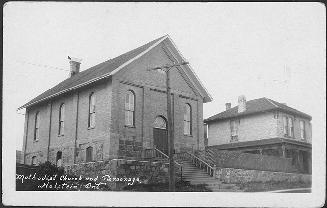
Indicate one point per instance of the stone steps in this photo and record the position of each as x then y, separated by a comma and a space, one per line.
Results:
198, 176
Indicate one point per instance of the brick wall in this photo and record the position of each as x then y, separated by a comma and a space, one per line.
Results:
150, 101
111, 138
98, 137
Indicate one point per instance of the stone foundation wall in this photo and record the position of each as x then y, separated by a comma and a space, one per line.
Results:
121, 169
231, 175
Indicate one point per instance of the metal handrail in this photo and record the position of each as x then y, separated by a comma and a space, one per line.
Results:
166, 156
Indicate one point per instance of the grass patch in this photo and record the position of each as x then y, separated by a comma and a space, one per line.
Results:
272, 186
182, 186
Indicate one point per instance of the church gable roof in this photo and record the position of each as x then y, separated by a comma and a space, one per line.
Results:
95, 73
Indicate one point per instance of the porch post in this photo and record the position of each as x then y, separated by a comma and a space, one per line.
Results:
283, 151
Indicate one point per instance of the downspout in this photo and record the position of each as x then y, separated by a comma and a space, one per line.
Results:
27, 119
142, 130
198, 124
76, 128
50, 122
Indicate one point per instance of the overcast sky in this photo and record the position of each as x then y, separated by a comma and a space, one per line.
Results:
273, 50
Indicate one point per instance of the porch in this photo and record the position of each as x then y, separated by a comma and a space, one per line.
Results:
298, 151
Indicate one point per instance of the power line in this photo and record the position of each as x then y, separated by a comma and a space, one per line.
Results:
42, 65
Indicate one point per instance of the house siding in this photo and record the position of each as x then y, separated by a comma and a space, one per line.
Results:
252, 127
255, 127
296, 123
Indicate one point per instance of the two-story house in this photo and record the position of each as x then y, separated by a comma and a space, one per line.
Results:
263, 126
116, 109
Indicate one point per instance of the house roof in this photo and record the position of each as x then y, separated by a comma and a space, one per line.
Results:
101, 71
256, 106
261, 142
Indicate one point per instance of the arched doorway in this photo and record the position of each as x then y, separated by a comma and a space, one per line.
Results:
160, 139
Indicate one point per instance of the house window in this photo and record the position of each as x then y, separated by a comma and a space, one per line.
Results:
59, 159
290, 127
276, 114
234, 130
129, 108
89, 154
61, 119
91, 123
37, 126
285, 126
302, 129
187, 119
34, 163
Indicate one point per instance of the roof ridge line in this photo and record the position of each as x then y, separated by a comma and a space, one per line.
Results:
271, 102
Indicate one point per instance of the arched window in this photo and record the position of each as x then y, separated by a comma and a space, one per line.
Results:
91, 123
37, 126
187, 119
129, 108
61, 119
160, 123
34, 163
59, 159
89, 154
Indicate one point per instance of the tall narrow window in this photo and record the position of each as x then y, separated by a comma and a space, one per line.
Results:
302, 129
187, 119
34, 163
37, 127
61, 119
285, 126
290, 127
59, 159
92, 110
234, 130
129, 108
89, 154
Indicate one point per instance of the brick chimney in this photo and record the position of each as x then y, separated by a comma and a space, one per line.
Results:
74, 65
228, 106
241, 104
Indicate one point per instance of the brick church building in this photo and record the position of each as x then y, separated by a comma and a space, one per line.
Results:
116, 109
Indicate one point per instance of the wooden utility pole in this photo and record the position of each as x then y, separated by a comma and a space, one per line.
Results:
166, 69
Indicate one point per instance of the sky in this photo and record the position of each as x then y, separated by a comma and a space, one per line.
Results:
273, 50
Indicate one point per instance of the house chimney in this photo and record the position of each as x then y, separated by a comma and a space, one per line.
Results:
74, 65
241, 104
228, 106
